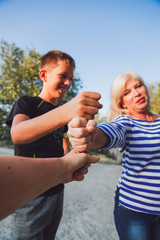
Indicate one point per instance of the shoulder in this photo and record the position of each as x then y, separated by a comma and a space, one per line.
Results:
25, 105
26, 98
119, 123
122, 119
28, 101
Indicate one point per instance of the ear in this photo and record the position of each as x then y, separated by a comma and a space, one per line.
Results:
123, 106
43, 75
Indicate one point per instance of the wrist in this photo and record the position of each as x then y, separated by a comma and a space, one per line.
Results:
66, 167
55, 170
94, 136
64, 114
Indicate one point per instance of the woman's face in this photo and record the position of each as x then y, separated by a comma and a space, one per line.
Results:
135, 97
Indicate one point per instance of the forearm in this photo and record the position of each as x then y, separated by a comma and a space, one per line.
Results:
66, 147
25, 130
100, 139
28, 130
22, 179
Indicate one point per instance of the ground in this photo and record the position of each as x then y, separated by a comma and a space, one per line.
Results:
88, 206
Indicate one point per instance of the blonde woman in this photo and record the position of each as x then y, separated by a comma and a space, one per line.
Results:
135, 130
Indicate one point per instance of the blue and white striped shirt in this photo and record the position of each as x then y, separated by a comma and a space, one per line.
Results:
139, 143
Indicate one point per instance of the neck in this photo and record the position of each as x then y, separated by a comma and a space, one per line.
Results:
47, 98
148, 116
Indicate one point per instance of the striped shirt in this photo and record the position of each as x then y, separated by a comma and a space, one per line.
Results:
139, 143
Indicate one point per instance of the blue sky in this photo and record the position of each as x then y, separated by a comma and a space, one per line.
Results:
105, 37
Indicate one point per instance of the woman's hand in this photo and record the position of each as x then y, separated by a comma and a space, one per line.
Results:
81, 133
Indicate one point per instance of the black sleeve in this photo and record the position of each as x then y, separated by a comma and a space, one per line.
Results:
22, 106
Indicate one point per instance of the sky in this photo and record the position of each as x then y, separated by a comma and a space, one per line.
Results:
105, 37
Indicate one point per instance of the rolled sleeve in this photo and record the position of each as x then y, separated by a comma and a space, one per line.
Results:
116, 133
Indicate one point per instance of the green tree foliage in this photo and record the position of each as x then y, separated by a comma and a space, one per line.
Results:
19, 76
99, 118
154, 90
18, 73
4, 130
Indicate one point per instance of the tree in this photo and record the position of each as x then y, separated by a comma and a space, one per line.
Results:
99, 118
4, 130
19, 75
154, 90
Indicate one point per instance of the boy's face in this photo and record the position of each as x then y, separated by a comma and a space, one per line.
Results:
58, 79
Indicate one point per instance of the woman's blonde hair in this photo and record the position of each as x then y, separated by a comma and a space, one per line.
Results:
118, 87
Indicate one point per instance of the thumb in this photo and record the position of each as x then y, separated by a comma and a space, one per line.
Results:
91, 126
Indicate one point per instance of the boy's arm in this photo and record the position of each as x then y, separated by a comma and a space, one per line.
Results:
66, 147
25, 130
22, 178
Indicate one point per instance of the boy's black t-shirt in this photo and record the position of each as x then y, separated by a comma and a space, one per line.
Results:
50, 145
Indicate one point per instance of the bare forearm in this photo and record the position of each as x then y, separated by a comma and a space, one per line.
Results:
100, 139
25, 130
22, 179
66, 147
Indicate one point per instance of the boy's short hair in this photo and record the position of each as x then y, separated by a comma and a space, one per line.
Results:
54, 56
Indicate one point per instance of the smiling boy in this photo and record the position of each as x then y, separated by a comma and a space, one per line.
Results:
37, 128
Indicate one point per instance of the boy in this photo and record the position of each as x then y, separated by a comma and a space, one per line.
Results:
37, 127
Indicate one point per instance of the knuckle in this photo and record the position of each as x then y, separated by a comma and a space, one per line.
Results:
81, 132
95, 111
76, 121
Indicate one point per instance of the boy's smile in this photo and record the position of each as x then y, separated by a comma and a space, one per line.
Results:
57, 79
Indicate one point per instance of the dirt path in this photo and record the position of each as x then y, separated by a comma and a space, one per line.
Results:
88, 206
